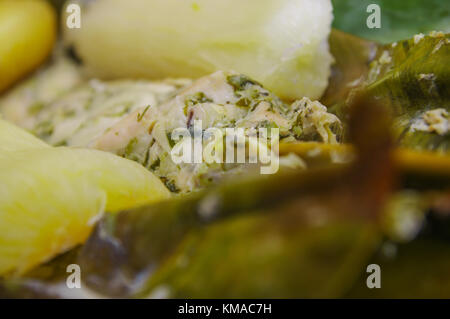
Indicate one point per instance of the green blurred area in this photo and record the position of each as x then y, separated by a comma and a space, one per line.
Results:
400, 19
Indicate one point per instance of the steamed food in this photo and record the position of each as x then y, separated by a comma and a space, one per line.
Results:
135, 119
23, 101
225, 148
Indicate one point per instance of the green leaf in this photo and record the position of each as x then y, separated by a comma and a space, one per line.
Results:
267, 257
418, 270
400, 19
410, 77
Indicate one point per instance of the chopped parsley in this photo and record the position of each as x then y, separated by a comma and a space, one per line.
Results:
194, 99
170, 184
171, 141
240, 82
44, 129
155, 164
130, 147
35, 108
250, 93
141, 115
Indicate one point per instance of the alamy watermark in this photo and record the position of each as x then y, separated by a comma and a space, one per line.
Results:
374, 279
73, 20
74, 279
227, 145
374, 19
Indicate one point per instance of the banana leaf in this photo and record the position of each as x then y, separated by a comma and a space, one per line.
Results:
419, 170
261, 250
352, 56
416, 80
267, 257
418, 270
410, 77
415, 269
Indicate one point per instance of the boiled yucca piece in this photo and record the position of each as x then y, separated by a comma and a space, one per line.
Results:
50, 198
280, 43
13, 138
